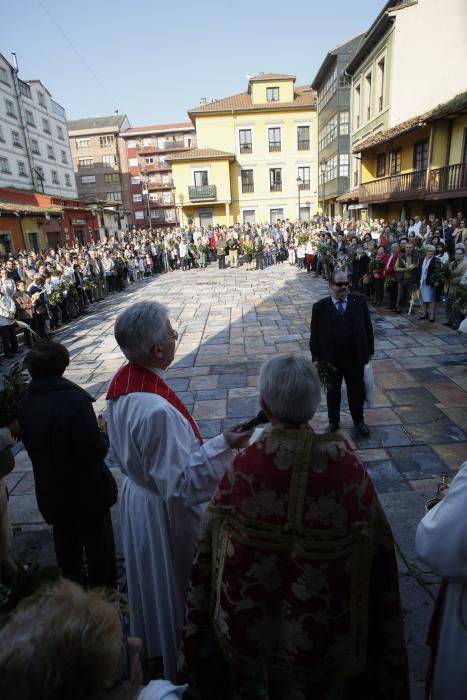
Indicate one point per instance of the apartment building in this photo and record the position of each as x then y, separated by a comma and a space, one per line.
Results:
153, 197
34, 146
256, 159
332, 85
100, 163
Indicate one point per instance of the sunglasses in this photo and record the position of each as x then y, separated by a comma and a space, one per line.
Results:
341, 284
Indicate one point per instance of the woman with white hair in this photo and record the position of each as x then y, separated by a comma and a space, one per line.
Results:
170, 475
427, 279
294, 589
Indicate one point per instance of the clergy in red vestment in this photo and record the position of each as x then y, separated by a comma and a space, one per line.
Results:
294, 591
170, 474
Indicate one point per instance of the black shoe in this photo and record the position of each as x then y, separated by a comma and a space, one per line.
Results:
332, 428
362, 428
423, 318
447, 324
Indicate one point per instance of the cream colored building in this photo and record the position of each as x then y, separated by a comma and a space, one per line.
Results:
256, 157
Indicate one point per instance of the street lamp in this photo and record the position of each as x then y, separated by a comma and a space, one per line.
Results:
299, 185
322, 165
145, 175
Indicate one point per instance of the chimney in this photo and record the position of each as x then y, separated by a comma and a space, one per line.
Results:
14, 62
202, 101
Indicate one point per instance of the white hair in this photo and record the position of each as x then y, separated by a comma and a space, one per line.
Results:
290, 386
139, 328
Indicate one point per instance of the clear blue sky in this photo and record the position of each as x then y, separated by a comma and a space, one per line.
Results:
154, 59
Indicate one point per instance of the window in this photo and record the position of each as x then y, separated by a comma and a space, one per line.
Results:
395, 161
134, 179
303, 138
131, 143
272, 94
276, 215
201, 178
85, 162
35, 147
40, 173
344, 165
60, 133
381, 85
112, 178
46, 126
188, 142
356, 106
137, 197
275, 179
167, 197
464, 159
50, 152
344, 81
328, 133
82, 143
4, 75
368, 96
140, 214
304, 174
41, 100
88, 180
22, 169
133, 162
248, 184
30, 118
2, 138
328, 89
420, 155
55, 180
168, 215
10, 108
331, 169
109, 161
148, 160
246, 145
67, 180
381, 165
106, 140
64, 157
115, 196
4, 165
155, 214
344, 122
25, 89
16, 139
274, 138
249, 216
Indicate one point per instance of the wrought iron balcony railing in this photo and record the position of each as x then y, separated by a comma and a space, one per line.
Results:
203, 192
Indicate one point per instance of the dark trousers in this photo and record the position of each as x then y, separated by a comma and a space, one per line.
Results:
9, 339
110, 283
379, 290
392, 292
353, 377
259, 261
92, 536
221, 259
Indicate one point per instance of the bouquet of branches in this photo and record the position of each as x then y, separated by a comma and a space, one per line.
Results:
202, 248
88, 285
11, 393
35, 298
325, 250
248, 248
376, 264
55, 297
460, 299
326, 373
303, 238
72, 292
442, 273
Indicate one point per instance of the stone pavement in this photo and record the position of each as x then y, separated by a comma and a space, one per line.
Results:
229, 322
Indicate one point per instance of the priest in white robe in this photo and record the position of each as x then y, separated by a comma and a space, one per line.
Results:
170, 476
441, 543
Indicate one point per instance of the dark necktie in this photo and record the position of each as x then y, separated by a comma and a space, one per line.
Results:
340, 307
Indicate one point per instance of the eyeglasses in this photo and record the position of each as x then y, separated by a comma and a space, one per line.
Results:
341, 284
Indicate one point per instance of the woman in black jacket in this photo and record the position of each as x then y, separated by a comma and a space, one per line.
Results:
74, 487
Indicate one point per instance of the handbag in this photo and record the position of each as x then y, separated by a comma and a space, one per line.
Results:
369, 382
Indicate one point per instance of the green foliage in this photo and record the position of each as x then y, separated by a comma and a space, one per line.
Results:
13, 390
460, 299
325, 373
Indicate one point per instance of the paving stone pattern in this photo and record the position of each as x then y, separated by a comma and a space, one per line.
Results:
229, 322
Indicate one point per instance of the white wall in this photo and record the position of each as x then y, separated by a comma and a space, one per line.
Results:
429, 56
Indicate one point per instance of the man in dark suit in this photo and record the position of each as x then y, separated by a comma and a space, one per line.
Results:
342, 334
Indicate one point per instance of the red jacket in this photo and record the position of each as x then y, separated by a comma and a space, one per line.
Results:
390, 265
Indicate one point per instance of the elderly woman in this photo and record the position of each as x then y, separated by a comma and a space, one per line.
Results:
170, 475
427, 279
293, 538
65, 642
74, 488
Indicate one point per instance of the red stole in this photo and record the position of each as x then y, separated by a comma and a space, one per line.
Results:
133, 378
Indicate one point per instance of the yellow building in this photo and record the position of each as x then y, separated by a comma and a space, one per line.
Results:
418, 167
256, 158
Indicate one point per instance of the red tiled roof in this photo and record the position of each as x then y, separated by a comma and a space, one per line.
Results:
390, 134
157, 127
303, 97
200, 153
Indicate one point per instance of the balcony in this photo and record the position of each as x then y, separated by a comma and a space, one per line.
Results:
174, 144
155, 167
159, 184
246, 148
452, 179
248, 187
303, 145
274, 147
304, 186
205, 192
276, 188
395, 187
